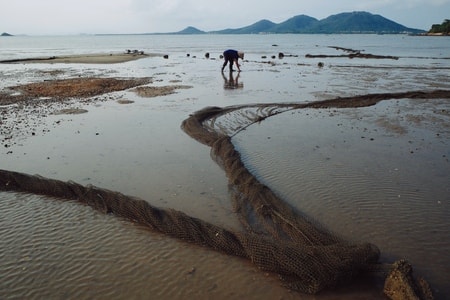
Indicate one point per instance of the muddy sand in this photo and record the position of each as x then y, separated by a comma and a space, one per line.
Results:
22, 103
68, 88
88, 87
82, 89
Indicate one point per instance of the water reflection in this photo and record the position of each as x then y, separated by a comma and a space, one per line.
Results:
231, 82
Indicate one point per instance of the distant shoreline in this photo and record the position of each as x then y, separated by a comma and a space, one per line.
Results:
436, 34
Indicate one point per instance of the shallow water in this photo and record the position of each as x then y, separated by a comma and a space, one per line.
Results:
54, 249
334, 166
362, 179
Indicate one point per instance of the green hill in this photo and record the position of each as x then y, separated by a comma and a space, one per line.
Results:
191, 30
349, 22
295, 24
358, 22
440, 29
258, 27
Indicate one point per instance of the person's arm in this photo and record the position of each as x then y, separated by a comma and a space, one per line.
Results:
237, 64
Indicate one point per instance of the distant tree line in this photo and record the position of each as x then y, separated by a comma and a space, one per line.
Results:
441, 28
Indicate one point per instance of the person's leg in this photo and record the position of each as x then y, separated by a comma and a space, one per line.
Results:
225, 63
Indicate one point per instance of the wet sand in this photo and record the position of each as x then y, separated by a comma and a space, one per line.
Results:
49, 90
112, 58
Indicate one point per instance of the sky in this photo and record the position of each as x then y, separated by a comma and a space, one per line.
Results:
58, 17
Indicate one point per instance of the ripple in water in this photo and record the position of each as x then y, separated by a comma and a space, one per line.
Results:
378, 174
51, 249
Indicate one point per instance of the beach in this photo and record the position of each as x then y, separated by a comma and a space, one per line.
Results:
117, 126
101, 58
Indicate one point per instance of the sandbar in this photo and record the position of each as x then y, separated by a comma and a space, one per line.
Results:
100, 58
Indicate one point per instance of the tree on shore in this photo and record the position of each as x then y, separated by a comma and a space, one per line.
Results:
443, 28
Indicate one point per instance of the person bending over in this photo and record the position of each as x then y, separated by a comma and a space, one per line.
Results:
232, 56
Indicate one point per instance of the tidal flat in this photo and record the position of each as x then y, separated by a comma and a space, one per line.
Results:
374, 174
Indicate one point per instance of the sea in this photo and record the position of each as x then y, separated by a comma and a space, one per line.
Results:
378, 174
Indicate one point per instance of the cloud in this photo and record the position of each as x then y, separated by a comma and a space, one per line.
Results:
139, 16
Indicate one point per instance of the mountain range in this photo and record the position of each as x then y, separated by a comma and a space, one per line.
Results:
348, 22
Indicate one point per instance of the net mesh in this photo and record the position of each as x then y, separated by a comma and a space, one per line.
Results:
276, 238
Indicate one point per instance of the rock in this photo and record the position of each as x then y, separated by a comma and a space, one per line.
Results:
401, 285
124, 101
70, 111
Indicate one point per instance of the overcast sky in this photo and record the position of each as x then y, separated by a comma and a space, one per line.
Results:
51, 17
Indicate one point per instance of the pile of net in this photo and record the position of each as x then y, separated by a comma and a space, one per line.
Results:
276, 238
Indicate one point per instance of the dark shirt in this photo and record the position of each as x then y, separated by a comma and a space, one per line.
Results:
231, 54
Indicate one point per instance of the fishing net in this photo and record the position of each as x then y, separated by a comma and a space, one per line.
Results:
301, 264
277, 238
